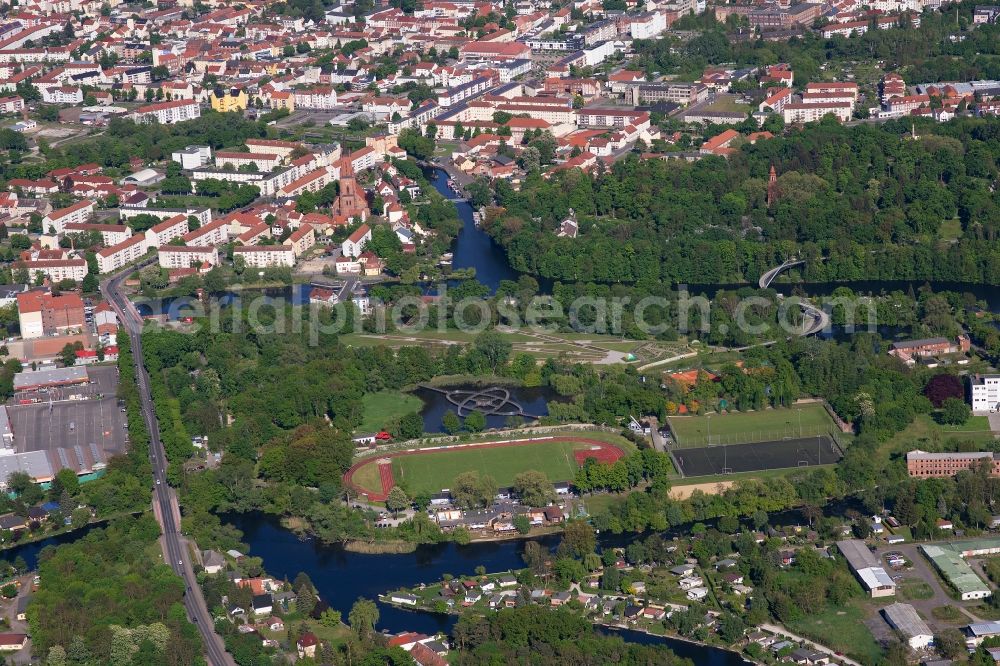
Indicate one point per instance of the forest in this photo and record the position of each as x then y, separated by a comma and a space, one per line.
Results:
107, 599
857, 203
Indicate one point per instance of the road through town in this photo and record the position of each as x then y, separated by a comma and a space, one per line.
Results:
167, 510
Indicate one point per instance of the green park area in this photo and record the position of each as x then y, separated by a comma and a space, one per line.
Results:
758, 426
841, 628
430, 472
581, 347
385, 406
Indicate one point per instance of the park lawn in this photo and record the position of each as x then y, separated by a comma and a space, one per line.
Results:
759, 426
841, 628
925, 433
431, 472
384, 406
974, 424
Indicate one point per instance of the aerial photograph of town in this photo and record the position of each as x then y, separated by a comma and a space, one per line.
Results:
488, 332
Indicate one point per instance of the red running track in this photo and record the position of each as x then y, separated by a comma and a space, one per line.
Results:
603, 452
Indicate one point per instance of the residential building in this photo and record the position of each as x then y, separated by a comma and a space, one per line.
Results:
186, 256
228, 101
55, 269
78, 213
355, 243
317, 97
166, 231
167, 113
811, 113
42, 313
302, 239
111, 234
265, 256
110, 259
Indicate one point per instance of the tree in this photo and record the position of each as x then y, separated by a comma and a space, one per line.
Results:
534, 488
579, 538
494, 347
450, 422
411, 426
90, 284
57, 656
475, 422
363, 617
305, 600
522, 523
470, 490
954, 411
416, 144
8, 591
397, 500
943, 386
81, 516
18, 482
951, 643
330, 618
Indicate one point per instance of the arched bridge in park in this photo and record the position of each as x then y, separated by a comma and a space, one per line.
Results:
815, 318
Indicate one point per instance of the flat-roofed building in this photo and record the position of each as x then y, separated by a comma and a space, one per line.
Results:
30, 380
866, 567
41, 313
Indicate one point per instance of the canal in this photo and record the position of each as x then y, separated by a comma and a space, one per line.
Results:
341, 577
473, 247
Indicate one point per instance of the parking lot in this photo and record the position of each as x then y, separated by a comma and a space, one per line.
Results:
58, 421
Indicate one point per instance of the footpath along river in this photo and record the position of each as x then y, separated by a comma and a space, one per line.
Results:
341, 577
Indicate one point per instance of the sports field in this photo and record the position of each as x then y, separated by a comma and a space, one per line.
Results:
752, 457
760, 426
432, 470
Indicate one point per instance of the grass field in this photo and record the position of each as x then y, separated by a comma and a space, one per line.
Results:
384, 406
760, 426
430, 472
842, 629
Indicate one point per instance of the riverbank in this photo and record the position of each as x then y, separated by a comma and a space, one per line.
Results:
491, 592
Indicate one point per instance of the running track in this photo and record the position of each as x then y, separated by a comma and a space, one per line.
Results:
604, 453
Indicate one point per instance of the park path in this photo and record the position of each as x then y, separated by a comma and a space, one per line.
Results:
781, 631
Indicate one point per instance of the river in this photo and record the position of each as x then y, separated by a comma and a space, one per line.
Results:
473, 247
341, 577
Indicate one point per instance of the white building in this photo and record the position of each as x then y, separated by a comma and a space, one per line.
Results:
167, 113
112, 258
78, 213
985, 394
166, 231
355, 243
186, 256
647, 26
904, 619
265, 256
62, 95
810, 113
57, 269
111, 234
193, 157
318, 97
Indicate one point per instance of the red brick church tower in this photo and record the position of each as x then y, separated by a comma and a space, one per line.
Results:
772, 187
350, 203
